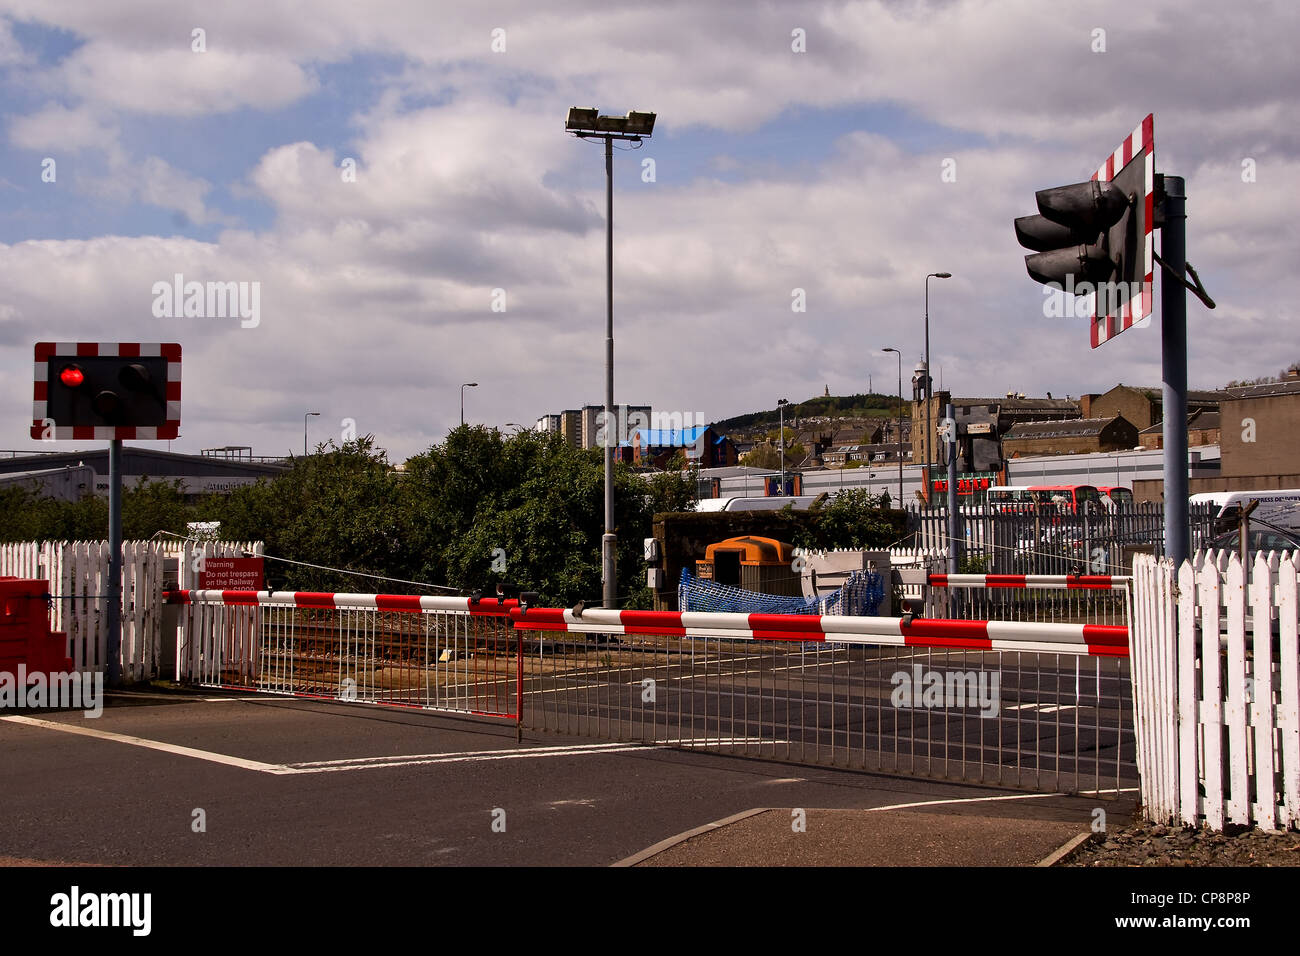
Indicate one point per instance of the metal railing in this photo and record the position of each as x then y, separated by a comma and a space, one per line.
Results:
1062, 598
1033, 706
435, 653
1041, 706
1049, 539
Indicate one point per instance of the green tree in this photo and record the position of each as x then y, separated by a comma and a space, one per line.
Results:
337, 508
153, 506
852, 518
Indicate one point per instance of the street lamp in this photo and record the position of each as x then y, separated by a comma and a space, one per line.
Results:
462, 399
780, 407
928, 429
900, 423
585, 123
304, 431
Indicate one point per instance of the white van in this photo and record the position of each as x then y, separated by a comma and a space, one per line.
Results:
1278, 507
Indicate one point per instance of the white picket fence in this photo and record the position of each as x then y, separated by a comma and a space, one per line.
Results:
77, 572
1216, 678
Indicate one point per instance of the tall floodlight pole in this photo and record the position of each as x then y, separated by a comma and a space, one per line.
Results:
929, 430
586, 123
780, 408
304, 431
900, 423
462, 399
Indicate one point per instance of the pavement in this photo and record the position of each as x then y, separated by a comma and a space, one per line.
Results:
220, 779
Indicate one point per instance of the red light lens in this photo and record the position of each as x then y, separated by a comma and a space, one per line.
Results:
72, 376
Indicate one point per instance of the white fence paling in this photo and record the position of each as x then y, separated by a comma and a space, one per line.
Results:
77, 572
1217, 700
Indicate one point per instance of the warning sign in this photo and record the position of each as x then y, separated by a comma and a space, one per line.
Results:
232, 574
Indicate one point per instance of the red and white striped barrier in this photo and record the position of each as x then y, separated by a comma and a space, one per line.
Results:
1079, 639
1097, 640
409, 603
1058, 582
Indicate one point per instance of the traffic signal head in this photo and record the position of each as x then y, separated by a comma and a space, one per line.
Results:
1095, 237
89, 390
1080, 235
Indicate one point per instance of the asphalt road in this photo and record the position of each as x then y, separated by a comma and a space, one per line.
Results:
292, 782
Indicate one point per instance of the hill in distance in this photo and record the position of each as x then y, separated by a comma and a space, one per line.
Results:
861, 406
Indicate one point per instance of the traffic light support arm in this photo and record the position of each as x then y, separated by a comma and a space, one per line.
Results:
1194, 286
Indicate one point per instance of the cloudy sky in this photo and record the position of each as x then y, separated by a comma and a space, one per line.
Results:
395, 178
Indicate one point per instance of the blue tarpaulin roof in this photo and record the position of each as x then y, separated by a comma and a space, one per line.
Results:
678, 437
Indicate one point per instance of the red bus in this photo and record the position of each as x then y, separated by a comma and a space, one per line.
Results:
1067, 498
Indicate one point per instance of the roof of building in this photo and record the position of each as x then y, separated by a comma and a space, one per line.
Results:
670, 437
1289, 387
137, 460
1065, 428
1017, 404
1156, 394
1197, 421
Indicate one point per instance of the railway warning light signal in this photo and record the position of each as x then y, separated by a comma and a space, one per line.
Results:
136, 395
1085, 233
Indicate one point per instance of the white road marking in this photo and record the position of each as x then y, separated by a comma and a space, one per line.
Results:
1043, 707
715, 742
934, 803
539, 751
357, 763
207, 755
476, 757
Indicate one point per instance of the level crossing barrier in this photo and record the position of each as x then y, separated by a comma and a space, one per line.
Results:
1014, 703
453, 654
1034, 705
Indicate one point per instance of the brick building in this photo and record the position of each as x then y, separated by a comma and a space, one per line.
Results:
1202, 429
1142, 407
1075, 436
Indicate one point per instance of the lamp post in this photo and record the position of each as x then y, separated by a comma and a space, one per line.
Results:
900, 422
304, 431
780, 407
462, 399
586, 123
928, 429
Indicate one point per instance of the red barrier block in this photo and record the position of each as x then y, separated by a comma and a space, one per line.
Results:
25, 635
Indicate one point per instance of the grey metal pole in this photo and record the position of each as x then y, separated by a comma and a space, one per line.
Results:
900, 428
926, 382
781, 437
954, 519
113, 617
608, 541
1173, 360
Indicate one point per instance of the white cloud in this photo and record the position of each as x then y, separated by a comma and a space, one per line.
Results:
59, 127
179, 82
376, 293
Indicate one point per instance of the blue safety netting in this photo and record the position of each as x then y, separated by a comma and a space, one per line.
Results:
859, 596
